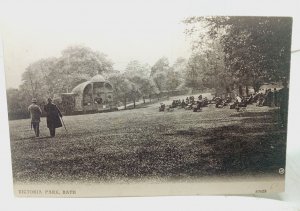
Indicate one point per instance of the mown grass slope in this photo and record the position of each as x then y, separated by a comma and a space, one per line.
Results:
144, 143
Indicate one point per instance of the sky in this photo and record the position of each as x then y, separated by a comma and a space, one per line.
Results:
124, 30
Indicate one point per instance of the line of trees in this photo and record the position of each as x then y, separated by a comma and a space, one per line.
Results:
47, 77
235, 52
228, 53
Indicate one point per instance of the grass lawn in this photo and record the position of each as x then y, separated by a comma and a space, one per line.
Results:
144, 143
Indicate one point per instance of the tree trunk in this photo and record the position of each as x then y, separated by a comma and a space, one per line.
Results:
247, 90
125, 103
144, 99
227, 88
240, 90
134, 103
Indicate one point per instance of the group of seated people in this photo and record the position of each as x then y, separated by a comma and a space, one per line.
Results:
221, 102
88, 100
236, 103
268, 99
189, 104
242, 101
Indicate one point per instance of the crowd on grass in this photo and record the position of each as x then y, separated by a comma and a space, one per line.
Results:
271, 98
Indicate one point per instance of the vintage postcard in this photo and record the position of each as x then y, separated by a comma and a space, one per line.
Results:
139, 106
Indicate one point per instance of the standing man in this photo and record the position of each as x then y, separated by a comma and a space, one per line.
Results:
283, 104
35, 114
275, 97
238, 101
53, 117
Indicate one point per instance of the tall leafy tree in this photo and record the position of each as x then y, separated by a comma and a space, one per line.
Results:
139, 74
37, 80
123, 89
80, 59
256, 49
17, 103
50, 76
172, 80
180, 68
57, 75
159, 73
136, 68
79, 63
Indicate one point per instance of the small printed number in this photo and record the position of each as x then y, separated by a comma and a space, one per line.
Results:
281, 171
261, 191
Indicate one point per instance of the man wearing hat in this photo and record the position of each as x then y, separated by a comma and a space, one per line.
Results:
35, 113
53, 117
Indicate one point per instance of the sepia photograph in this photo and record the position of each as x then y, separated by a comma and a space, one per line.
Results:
147, 107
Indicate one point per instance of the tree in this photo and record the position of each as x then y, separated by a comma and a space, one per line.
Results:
17, 104
193, 77
256, 49
80, 59
147, 88
162, 65
135, 68
79, 63
206, 70
159, 73
172, 80
134, 92
122, 87
167, 78
37, 81
57, 75
139, 75
180, 67
50, 76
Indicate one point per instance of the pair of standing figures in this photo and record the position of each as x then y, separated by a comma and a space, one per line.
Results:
53, 117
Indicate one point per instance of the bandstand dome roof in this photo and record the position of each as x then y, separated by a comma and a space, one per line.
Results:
96, 79
80, 87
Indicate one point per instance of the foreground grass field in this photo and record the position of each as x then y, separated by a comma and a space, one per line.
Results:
144, 143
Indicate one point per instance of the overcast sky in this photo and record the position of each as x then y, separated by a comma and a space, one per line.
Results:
124, 30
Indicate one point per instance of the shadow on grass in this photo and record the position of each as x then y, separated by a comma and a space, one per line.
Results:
251, 147
141, 105
34, 138
255, 114
247, 148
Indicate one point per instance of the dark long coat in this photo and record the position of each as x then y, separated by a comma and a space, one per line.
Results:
53, 114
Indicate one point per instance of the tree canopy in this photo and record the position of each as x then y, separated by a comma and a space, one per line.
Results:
256, 49
57, 75
226, 53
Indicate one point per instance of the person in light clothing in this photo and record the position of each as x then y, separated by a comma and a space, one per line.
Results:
35, 114
238, 100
